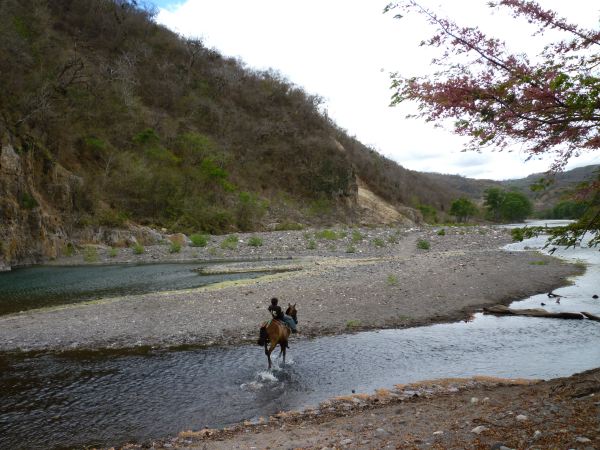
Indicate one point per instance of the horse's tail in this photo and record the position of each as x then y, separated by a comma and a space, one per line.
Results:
262, 339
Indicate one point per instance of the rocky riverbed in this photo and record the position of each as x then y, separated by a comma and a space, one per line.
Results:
342, 281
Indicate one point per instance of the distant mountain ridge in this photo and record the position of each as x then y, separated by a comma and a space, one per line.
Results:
561, 185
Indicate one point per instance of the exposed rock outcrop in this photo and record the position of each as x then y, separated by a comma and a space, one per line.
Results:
31, 229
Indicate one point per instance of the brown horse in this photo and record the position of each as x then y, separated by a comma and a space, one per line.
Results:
277, 333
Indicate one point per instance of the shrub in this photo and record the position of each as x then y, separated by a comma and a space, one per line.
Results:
393, 239
199, 240
423, 244
351, 249
90, 254
441, 232
353, 323
249, 211
311, 245
518, 234
320, 207
378, 242
392, 280
28, 202
538, 263
110, 218
429, 213
357, 236
175, 247
330, 235
112, 252
138, 249
230, 242
255, 241
68, 249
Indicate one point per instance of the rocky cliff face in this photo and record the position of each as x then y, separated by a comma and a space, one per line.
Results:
31, 225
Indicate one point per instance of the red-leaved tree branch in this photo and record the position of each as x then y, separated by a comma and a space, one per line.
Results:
549, 103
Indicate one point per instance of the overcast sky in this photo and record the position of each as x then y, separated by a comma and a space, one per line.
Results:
344, 51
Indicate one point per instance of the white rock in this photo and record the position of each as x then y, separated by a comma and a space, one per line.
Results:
582, 439
474, 400
437, 433
346, 442
479, 429
521, 418
537, 434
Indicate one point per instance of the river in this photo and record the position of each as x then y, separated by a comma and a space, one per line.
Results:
75, 399
44, 286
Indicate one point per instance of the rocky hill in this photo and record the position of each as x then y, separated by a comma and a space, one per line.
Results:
109, 120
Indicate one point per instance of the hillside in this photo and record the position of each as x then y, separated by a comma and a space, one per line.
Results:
108, 120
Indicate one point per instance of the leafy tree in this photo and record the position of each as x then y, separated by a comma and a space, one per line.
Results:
549, 103
492, 200
515, 207
567, 209
463, 208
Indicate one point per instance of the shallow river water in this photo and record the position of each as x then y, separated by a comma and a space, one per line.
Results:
42, 286
81, 399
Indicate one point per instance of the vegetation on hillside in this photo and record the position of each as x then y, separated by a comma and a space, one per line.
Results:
161, 130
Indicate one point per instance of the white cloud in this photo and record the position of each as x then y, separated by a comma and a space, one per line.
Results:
343, 50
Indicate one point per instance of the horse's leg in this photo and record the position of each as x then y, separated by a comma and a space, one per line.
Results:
271, 348
283, 347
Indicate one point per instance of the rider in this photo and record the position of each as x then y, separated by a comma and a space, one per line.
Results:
278, 314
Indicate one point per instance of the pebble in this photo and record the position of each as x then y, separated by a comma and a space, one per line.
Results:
582, 439
437, 433
474, 400
537, 434
479, 429
380, 432
500, 446
346, 442
521, 418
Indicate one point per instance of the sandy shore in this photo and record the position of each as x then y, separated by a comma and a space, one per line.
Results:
477, 413
386, 281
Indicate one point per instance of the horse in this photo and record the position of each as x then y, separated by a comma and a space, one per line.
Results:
277, 333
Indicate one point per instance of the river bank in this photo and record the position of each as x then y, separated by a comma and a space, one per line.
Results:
386, 281
476, 413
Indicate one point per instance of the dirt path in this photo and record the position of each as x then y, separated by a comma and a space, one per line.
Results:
480, 413
386, 282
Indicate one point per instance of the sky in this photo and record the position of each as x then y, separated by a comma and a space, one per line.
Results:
345, 50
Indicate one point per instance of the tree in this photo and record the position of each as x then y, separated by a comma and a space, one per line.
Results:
548, 103
492, 200
515, 207
463, 208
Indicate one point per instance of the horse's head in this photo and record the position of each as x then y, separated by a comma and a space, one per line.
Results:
291, 311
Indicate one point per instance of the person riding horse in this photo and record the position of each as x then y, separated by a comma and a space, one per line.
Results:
276, 331
278, 314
